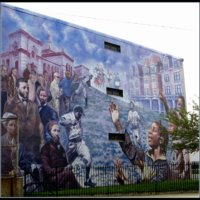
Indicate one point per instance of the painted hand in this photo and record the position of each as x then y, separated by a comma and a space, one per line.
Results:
114, 112
161, 96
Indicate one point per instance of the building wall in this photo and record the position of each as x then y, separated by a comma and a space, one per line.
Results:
140, 72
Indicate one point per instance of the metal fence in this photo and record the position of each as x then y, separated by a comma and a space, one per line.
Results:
104, 177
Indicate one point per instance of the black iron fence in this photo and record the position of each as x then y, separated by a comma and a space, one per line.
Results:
109, 180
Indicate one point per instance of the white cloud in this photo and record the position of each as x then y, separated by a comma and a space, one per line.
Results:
119, 64
90, 47
66, 31
77, 47
20, 22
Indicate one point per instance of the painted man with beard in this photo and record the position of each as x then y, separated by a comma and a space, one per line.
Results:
57, 170
46, 112
30, 127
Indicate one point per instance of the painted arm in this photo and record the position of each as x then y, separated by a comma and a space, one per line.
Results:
114, 110
164, 100
119, 171
129, 149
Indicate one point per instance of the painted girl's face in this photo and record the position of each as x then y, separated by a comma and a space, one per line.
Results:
171, 127
4, 71
12, 127
14, 72
132, 106
55, 131
179, 104
154, 135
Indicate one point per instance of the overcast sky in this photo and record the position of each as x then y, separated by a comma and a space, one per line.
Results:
171, 28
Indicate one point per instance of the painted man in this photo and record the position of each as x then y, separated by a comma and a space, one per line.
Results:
30, 126
77, 146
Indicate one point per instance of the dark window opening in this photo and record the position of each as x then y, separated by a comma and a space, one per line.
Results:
116, 137
114, 91
113, 47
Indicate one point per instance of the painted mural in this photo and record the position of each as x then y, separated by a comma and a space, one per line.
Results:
54, 77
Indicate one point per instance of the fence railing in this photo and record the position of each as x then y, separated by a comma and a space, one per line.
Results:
105, 178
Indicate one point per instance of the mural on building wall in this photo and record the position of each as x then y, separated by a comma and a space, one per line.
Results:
54, 79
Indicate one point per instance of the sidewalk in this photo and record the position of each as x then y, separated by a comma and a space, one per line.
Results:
149, 196
170, 195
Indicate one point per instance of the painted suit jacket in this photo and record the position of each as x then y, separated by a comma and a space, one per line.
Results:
30, 127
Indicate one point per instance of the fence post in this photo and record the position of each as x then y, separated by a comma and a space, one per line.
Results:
56, 181
24, 183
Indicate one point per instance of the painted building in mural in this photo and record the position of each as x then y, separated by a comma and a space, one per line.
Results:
86, 63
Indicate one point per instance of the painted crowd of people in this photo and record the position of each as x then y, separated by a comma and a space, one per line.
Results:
31, 109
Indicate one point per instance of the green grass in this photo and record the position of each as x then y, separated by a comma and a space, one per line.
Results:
142, 188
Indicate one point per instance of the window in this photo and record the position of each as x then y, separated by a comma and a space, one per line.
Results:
166, 66
166, 63
112, 47
115, 92
16, 64
146, 91
153, 69
154, 91
167, 90
153, 79
7, 62
33, 54
177, 77
175, 64
166, 77
136, 84
15, 46
146, 70
178, 90
44, 67
146, 81
116, 137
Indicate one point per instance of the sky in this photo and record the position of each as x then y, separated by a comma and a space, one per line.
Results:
171, 28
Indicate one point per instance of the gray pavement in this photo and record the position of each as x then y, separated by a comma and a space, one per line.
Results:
149, 196
174, 195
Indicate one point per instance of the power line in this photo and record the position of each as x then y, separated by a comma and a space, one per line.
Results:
135, 23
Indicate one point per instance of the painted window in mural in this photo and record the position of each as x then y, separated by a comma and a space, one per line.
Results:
54, 80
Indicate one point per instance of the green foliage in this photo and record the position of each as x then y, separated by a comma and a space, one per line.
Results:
186, 133
142, 188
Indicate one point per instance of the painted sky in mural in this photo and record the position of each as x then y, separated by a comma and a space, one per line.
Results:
82, 44
83, 47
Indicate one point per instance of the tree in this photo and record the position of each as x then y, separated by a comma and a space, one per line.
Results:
186, 133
